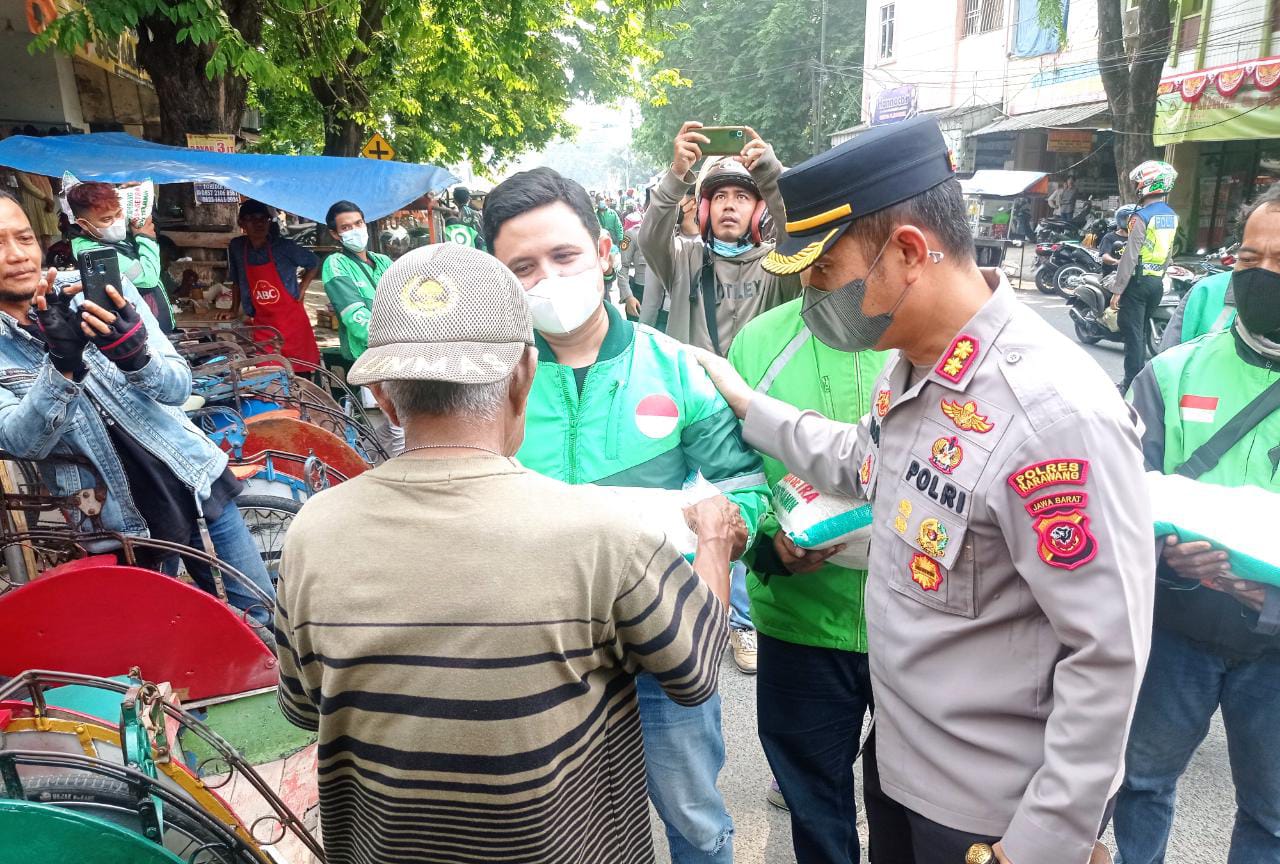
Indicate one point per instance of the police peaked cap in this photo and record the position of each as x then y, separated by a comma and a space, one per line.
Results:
879, 168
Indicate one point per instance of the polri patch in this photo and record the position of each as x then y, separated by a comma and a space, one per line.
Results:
946, 454
958, 358
657, 415
1052, 472
1065, 539
925, 572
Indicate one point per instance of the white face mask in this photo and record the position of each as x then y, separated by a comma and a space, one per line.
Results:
113, 233
562, 304
355, 239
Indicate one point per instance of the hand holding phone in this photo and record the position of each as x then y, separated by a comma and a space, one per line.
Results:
724, 140
98, 269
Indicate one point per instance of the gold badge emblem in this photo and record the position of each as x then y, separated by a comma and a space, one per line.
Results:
932, 537
426, 296
966, 417
904, 513
946, 454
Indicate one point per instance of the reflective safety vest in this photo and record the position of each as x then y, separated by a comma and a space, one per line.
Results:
1157, 243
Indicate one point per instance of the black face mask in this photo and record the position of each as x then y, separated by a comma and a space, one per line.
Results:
1257, 293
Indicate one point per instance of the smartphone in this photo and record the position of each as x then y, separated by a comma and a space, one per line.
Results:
98, 269
725, 140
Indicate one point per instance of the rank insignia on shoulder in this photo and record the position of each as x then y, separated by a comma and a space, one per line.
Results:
965, 416
1052, 472
864, 473
1065, 539
933, 537
946, 454
882, 402
925, 572
958, 358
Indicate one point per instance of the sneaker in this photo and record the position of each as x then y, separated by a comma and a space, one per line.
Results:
744, 649
775, 796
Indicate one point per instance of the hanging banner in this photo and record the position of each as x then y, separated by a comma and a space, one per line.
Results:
214, 193
1248, 114
1069, 141
894, 105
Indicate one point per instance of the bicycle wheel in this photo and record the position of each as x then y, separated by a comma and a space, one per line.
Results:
268, 518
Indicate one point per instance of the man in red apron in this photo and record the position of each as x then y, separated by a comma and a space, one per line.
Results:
265, 267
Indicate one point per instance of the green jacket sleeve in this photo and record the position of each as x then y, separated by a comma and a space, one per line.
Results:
350, 305
713, 445
149, 258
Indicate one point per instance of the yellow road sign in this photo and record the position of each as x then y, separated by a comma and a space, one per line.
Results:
378, 148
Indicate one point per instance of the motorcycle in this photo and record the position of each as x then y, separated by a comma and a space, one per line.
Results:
1066, 262
1054, 228
1092, 297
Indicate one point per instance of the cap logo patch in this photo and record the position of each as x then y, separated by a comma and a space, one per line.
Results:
959, 358
657, 415
428, 297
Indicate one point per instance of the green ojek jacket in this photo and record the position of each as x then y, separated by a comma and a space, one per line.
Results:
139, 262
1209, 306
776, 355
1184, 396
647, 416
349, 284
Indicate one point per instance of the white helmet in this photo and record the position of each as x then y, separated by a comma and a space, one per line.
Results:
1153, 177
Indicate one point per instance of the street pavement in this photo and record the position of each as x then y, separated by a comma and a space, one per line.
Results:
1206, 805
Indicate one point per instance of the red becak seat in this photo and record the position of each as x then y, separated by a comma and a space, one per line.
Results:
102, 619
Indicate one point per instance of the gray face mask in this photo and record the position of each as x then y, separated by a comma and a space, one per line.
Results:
836, 317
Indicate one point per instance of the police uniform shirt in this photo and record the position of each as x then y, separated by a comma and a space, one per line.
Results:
1011, 579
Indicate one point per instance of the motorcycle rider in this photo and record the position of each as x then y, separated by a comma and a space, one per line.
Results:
1118, 236
1139, 282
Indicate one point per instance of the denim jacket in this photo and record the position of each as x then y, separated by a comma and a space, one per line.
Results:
45, 416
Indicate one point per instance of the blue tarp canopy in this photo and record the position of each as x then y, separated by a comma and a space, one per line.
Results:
303, 185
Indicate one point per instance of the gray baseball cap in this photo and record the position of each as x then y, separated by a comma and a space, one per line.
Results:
445, 313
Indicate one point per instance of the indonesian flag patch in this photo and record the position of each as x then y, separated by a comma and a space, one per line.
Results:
1198, 409
657, 415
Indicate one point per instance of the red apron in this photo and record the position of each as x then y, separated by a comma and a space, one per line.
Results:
274, 307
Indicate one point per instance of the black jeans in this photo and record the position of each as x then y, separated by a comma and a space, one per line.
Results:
810, 703
1138, 303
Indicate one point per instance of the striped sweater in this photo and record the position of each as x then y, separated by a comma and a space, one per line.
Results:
462, 633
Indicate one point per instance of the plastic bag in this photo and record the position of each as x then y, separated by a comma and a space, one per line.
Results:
813, 519
137, 202
1111, 319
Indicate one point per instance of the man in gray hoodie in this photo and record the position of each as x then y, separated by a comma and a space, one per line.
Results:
715, 282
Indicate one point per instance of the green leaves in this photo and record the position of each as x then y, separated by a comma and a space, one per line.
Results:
741, 62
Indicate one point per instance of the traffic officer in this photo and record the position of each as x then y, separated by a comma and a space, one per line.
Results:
1012, 560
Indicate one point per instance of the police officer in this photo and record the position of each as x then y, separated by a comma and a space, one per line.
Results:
1012, 561
1139, 283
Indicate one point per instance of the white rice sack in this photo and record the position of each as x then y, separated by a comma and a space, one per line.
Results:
137, 201
1238, 519
813, 519
663, 510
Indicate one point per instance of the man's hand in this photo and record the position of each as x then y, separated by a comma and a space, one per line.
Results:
121, 335
633, 307
148, 228
1195, 561
757, 148
1251, 594
800, 561
727, 380
1115, 301
717, 521
57, 324
687, 147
